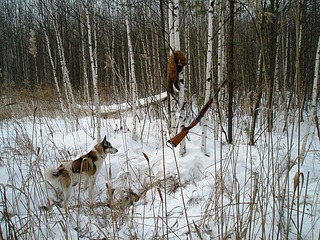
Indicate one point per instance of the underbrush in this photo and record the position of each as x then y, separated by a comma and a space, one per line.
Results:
238, 191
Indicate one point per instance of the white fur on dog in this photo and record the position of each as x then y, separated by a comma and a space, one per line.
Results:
69, 173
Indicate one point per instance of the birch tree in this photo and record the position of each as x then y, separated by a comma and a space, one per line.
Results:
84, 61
64, 68
54, 72
221, 41
133, 73
182, 118
93, 64
314, 102
208, 75
171, 101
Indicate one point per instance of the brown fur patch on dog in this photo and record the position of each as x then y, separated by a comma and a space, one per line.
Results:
176, 63
99, 148
84, 164
92, 155
65, 178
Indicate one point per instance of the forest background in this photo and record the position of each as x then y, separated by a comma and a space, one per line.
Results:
26, 69
66, 58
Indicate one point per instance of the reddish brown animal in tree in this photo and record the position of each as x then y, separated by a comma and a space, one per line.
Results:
176, 63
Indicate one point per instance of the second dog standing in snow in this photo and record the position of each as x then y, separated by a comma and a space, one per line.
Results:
85, 168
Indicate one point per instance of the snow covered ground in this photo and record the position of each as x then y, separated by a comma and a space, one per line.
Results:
238, 191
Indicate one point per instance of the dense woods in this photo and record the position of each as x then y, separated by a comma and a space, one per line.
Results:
72, 72
265, 37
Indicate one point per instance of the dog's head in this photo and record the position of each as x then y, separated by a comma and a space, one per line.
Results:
107, 147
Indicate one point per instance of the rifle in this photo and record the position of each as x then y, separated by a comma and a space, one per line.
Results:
174, 141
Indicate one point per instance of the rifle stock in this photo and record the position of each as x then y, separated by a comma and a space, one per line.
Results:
174, 141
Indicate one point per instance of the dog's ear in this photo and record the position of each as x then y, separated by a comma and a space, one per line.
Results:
105, 143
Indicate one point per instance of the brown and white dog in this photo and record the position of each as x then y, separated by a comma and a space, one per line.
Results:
85, 168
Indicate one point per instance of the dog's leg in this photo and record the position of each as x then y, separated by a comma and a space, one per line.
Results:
85, 184
66, 194
92, 180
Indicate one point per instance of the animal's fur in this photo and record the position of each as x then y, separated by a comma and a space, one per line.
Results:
176, 63
86, 168
119, 198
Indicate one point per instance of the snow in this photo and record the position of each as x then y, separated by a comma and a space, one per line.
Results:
236, 191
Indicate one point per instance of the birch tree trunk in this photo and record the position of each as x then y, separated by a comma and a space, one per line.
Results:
54, 73
133, 74
221, 41
171, 101
93, 64
182, 118
221, 59
314, 102
208, 76
84, 62
64, 69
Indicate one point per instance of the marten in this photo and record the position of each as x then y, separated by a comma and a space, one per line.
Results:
176, 62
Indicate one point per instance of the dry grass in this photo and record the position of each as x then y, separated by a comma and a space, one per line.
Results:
246, 192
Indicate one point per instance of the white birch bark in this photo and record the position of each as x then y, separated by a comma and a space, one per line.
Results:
221, 40
54, 72
314, 102
84, 62
64, 69
182, 118
208, 76
172, 107
171, 26
133, 75
97, 110
221, 56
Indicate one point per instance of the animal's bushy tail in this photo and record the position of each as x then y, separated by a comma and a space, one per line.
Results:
52, 174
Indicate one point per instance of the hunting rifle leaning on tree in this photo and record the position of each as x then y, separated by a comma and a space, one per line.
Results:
174, 141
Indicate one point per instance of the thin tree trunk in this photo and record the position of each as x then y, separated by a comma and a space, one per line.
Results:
221, 40
208, 75
93, 64
221, 59
256, 103
84, 61
172, 108
230, 67
133, 74
182, 117
314, 103
64, 69
54, 73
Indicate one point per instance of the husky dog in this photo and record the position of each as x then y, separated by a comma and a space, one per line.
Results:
85, 168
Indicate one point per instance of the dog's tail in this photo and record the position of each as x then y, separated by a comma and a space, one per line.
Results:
52, 173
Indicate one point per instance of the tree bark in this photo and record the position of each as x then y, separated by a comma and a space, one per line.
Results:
208, 76
230, 69
93, 65
133, 74
314, 102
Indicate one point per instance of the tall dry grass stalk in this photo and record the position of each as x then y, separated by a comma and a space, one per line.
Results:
250, 191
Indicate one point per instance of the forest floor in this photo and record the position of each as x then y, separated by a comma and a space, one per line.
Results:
235, 191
